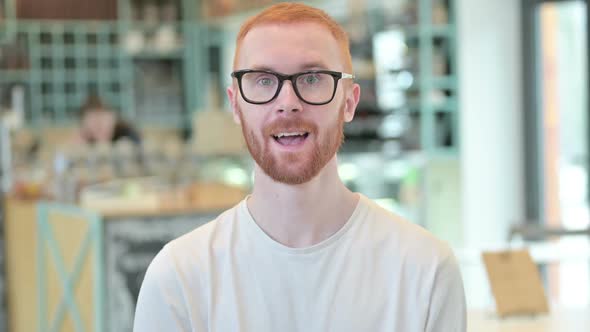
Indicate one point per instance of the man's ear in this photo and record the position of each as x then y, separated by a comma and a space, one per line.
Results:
233, 101
353, 95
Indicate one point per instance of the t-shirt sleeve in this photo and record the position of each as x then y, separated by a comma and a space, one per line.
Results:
161, 305
447, 312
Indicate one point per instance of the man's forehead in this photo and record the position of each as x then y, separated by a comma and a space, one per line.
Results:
302, 63
307, 45
287, 26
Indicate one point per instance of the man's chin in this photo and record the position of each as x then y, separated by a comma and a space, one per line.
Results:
291, 179
291, 173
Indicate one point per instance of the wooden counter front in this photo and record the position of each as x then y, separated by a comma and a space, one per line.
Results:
20, 233
132, 238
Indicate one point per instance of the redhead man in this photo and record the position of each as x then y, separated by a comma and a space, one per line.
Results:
302, 252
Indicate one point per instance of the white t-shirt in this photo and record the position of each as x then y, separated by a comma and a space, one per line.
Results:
377, 273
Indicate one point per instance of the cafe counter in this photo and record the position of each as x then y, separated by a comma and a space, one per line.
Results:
82, 265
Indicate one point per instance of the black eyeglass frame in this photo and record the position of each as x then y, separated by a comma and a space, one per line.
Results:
336, 75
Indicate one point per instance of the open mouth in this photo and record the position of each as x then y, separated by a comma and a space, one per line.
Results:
291, 138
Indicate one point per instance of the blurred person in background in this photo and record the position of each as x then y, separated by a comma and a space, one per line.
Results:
100, 124
302, 252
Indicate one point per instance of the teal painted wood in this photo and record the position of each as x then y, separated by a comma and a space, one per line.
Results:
429, 83
106, 67
192, 54
69, 60
125, 62
188, 57
194, 67
42, 323
97, 228
455, 65
68, 279
191, 10
7, 25
425, 75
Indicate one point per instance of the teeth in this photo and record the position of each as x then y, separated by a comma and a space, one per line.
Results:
289, 134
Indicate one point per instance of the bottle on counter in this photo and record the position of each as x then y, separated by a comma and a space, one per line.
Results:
64, 183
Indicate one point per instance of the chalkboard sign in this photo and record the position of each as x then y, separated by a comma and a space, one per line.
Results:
130, 246
3, 317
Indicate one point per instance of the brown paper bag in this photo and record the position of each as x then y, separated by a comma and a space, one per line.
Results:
515, 282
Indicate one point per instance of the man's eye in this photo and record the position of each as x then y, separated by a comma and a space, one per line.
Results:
311, 79
265, 81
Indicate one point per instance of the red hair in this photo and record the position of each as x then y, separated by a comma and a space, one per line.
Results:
289, 13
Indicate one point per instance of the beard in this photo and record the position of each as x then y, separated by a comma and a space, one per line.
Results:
294, 168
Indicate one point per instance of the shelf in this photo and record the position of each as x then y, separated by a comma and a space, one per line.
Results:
149, 26
435, 31
442, 31
436, 83
448, 106
74, 57
155, 55
86, 75
444, 82
106, 50
14, 75
443, 153
59, 27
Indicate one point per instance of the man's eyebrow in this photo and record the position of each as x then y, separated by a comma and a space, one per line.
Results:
262, 67
314, 65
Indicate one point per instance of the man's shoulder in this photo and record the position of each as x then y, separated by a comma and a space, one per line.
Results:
176, 279
189, 254
206, 235
392, 231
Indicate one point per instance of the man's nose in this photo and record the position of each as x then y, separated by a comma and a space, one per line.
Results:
287, 100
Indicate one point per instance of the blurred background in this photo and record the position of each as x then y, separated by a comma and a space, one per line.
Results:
116, 137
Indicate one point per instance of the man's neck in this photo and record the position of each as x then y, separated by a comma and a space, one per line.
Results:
302, 215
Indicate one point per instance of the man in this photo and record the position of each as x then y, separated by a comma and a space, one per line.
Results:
302, 252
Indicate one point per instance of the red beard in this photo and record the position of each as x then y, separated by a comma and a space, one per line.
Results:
290, 167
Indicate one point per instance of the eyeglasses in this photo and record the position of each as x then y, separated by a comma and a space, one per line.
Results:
315, 87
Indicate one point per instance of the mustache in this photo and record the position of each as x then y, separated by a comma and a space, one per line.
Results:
289, 125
